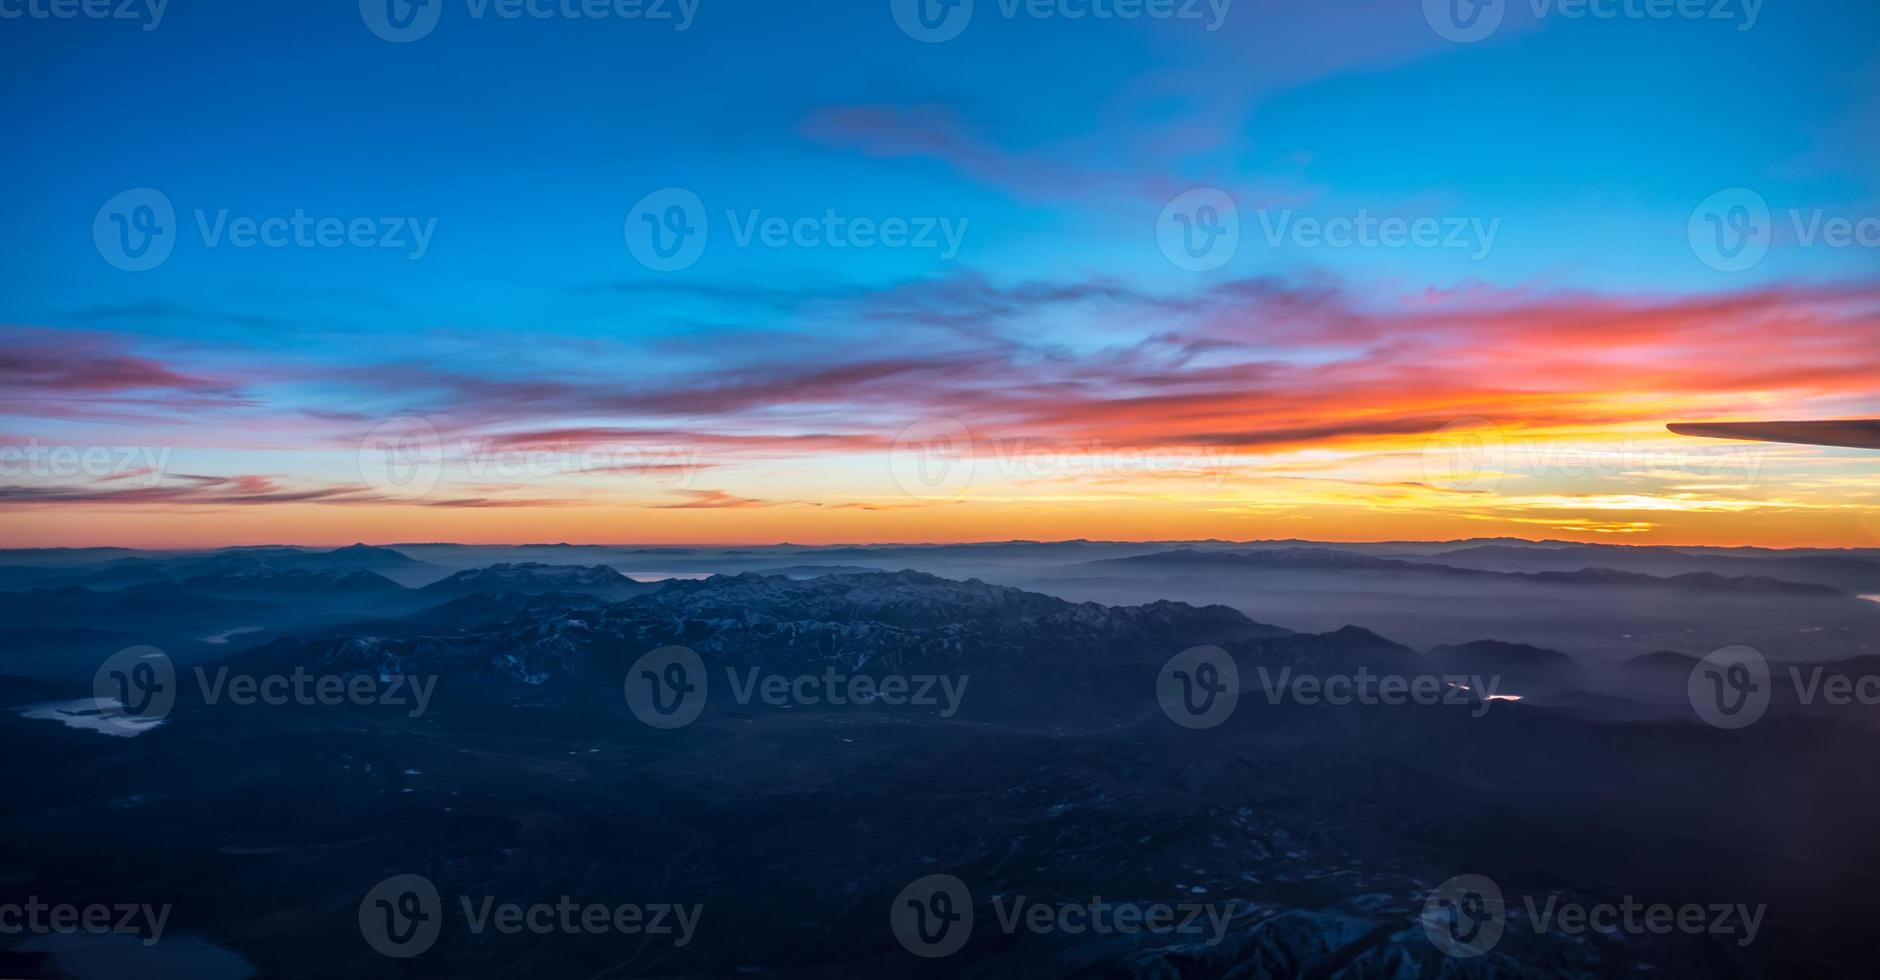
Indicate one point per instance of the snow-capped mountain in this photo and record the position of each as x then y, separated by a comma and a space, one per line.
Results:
536, 578
886, 620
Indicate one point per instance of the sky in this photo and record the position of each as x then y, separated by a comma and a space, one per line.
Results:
904, 270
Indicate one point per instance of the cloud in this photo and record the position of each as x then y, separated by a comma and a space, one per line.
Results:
94, 375
1188, 113
492, 503
938, 132
38, 361
1257, 367
713, 500
231, 491
184, 489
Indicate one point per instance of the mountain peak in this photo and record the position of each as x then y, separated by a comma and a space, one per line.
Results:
530, 576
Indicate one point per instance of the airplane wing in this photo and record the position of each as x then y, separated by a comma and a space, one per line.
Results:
1850, 433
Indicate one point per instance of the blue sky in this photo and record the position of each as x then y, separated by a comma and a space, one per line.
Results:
528, 140
1564, 155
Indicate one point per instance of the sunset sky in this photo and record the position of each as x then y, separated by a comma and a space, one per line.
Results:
520, 368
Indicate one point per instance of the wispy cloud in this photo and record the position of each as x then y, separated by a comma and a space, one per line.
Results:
1254, 367
713, 500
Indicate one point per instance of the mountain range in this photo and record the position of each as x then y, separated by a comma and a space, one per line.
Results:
1319, 828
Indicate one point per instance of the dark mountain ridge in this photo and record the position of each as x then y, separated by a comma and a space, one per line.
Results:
535, 577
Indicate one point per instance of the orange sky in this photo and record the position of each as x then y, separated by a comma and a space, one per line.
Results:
1255, 409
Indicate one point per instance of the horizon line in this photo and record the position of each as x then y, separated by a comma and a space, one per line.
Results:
394, 545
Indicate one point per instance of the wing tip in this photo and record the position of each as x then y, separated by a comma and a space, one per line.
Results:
1843, 433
